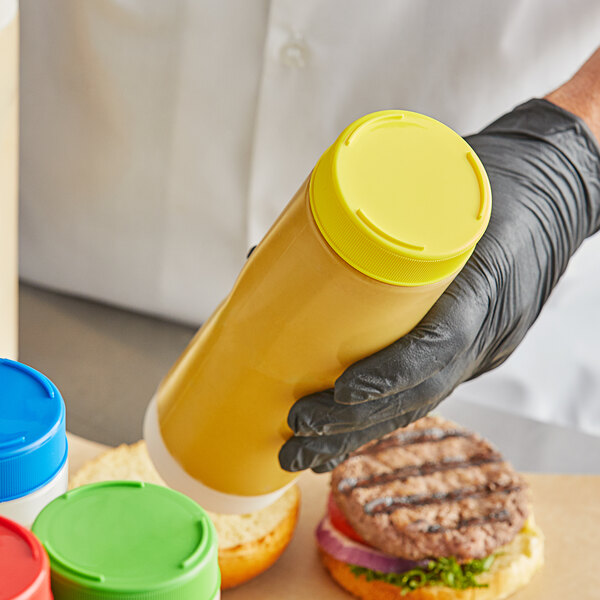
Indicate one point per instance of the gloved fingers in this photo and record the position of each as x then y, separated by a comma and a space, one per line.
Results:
330, 464
321, 452
311, 452
307, 413
319, 415
448, 329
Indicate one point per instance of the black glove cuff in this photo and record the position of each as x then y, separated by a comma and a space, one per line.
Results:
569, 135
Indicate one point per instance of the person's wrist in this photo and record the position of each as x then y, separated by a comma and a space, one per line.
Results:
581, 94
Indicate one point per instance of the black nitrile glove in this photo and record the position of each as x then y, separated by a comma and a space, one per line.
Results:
544, 168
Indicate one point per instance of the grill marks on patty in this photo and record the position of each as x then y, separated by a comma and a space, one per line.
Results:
389, 504
501, 516
431, 489
426, 468
407, 438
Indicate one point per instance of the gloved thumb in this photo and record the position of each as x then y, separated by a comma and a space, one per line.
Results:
448, 329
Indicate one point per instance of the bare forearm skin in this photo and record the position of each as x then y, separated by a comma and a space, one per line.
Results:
581, 94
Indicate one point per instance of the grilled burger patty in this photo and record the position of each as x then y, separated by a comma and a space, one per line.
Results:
431, 489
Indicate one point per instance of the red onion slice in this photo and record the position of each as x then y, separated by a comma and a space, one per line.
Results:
346, 550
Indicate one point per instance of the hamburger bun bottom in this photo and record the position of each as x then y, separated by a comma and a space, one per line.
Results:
243, 562
512, 569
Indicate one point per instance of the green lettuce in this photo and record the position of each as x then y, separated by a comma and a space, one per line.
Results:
443, 571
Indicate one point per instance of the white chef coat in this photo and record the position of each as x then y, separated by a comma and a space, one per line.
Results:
160, 140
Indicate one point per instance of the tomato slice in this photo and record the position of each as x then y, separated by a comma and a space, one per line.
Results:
338, 520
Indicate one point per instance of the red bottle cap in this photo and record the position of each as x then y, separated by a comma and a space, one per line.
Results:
24, 565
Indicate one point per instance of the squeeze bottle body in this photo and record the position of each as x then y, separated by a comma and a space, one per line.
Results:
372, 238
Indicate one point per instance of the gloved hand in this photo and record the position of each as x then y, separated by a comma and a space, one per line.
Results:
544, 168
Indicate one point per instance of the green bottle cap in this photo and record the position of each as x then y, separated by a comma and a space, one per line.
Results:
129, 540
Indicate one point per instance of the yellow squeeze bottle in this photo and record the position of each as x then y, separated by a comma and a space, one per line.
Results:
387, 218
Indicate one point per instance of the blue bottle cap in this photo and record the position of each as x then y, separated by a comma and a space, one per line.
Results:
33, 441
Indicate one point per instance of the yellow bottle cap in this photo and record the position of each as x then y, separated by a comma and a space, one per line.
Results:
401, 197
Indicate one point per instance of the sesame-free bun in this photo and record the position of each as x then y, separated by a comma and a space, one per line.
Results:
241, 562
513, 568
248, 544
